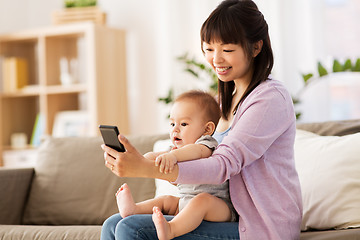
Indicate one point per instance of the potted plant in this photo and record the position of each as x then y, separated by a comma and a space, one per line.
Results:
79, 3
340, 74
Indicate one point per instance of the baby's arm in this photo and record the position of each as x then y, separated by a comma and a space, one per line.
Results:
189, 152
153, 155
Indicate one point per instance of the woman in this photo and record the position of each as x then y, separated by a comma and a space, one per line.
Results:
255, 133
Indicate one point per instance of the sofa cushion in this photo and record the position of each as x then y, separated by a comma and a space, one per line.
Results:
347, 234
72, 186
23, 232
14, 189
332, 128
328, 168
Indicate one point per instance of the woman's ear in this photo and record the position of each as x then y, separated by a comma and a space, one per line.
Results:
209, 128
257, 47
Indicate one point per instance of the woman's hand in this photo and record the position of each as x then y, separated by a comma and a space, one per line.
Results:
132, 164
124, 164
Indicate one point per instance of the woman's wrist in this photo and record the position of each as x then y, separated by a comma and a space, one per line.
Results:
152, 171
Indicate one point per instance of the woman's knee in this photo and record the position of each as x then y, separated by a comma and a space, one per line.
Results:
136, 227
108, 227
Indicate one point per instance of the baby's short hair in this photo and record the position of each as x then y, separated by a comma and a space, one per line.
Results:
206, 102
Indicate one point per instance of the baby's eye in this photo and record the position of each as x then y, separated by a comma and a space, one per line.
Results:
184, 124
172, 124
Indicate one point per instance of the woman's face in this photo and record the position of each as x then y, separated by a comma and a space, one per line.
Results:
229, 61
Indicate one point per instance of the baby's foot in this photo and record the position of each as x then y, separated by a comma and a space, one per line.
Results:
125, 201
162, 226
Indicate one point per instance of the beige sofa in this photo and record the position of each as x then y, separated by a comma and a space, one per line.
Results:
70, 193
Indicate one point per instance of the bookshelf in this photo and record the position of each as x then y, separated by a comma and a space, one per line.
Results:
95, 56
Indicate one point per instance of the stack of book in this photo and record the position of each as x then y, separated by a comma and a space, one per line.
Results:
14, 73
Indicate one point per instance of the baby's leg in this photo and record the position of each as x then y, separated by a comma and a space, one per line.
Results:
202, 207
127, 205
125, 201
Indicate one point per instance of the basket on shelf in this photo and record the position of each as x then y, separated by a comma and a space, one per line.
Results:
79, 14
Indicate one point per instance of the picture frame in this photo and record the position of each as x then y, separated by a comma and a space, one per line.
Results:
71, 124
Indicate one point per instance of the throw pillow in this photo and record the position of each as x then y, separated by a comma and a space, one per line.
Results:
71, 185
328, 168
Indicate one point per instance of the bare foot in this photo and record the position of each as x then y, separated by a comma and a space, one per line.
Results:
162, 226
125, 201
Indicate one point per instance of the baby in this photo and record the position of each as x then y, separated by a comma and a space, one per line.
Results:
193, 120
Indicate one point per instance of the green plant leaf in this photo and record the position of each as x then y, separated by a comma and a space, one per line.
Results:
69, 3
337, 67
347, 65
356, 67
306, 77
169, 98
322, 71
295, 100
195, 74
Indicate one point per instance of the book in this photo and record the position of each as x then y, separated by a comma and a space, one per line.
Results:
15, 73
1, 74
38, 131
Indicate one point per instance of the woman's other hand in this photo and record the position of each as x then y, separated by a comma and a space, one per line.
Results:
124, 164
132, 164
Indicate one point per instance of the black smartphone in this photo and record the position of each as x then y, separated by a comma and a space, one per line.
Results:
110, 137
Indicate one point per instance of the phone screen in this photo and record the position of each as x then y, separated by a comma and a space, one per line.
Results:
110, 137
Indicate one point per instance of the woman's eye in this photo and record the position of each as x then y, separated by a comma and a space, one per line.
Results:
208, 50
228, 50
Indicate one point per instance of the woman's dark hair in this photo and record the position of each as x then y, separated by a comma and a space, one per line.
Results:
239, 22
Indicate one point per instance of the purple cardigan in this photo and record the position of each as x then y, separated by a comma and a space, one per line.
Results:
258, 158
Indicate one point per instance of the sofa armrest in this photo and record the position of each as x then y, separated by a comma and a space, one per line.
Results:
14, 189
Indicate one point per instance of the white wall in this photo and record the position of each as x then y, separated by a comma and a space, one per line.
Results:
158, 31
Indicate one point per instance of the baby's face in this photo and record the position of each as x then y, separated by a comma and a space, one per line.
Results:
187, 123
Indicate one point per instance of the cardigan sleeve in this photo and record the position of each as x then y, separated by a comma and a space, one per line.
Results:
263, 116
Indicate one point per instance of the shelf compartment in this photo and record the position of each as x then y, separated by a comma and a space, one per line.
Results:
13, 113
27, 49
58, 103
68, 48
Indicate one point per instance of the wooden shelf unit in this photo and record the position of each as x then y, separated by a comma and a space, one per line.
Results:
100, 89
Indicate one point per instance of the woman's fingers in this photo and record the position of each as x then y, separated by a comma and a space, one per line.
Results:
128, 146
109, 156
112, 152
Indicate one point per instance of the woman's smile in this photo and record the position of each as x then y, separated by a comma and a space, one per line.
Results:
222, 70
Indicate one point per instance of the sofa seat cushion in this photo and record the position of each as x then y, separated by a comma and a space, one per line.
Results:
347, 234
26, 232
71, 185
328, 168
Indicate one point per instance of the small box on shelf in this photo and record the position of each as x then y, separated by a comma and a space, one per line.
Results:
24, 158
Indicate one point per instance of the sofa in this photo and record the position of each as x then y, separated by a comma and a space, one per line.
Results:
69, 193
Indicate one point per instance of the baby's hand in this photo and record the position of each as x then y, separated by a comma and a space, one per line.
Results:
166, 162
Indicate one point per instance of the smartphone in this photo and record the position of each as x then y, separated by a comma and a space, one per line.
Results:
110, 137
